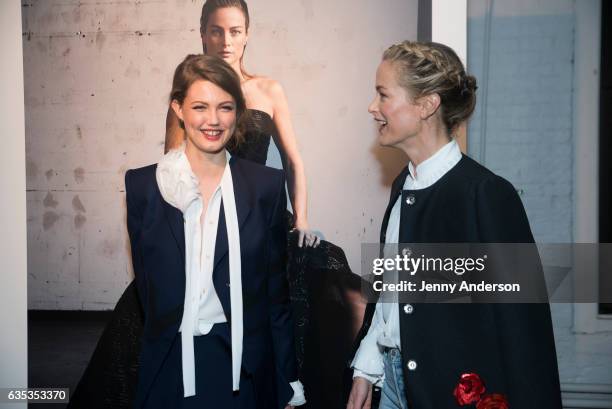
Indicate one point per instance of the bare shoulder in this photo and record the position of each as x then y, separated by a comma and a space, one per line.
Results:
268, 86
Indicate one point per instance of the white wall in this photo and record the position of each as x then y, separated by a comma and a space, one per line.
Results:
13, 319
535, 124
449, 25
97, 77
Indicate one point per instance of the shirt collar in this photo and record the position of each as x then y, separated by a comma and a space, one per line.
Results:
433, 168
177, 183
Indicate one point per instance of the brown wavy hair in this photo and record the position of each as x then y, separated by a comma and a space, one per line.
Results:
202, 67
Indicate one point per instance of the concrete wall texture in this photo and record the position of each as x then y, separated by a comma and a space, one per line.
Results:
522, 129
97, 78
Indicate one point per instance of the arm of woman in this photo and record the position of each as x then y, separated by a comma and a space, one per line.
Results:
367, 364
296, 175
525, 330
174, 133
134, 226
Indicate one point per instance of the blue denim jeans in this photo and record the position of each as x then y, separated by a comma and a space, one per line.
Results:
393, 394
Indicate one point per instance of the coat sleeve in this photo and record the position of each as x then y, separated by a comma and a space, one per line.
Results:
281, 323
134, 226
501, 215
524, 330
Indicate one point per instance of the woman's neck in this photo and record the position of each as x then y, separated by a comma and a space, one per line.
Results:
425, 144
237, 66
206, 166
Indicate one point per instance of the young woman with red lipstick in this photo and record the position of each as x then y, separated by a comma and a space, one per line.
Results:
208, 240
315, 267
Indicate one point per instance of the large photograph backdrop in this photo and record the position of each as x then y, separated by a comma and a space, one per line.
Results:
97, 79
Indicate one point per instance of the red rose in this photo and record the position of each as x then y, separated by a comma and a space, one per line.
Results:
469, 389
493, 401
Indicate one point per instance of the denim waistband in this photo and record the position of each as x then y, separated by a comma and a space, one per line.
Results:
393, 353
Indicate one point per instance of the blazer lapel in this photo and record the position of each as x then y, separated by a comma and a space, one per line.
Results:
221, 279
242, 194
177, 226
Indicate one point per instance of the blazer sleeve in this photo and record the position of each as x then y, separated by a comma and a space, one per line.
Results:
281, 323
525, 332
134, 226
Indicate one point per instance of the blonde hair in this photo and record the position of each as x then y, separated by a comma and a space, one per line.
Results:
426, 68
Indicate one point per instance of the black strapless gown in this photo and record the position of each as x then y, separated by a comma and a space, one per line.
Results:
318, 278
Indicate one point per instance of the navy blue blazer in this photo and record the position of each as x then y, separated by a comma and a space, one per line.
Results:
156, 231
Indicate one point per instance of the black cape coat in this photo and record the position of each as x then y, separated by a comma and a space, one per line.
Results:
510, 346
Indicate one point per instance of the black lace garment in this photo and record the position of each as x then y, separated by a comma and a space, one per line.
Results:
260, 128
318, 278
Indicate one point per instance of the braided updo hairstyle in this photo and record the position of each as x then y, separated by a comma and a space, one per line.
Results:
425, 68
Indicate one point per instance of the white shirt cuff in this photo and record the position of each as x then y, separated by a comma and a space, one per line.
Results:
376, 380
369, 358
298, 394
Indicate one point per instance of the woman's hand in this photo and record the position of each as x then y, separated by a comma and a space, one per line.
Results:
306, 237
289, 407
361, 394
